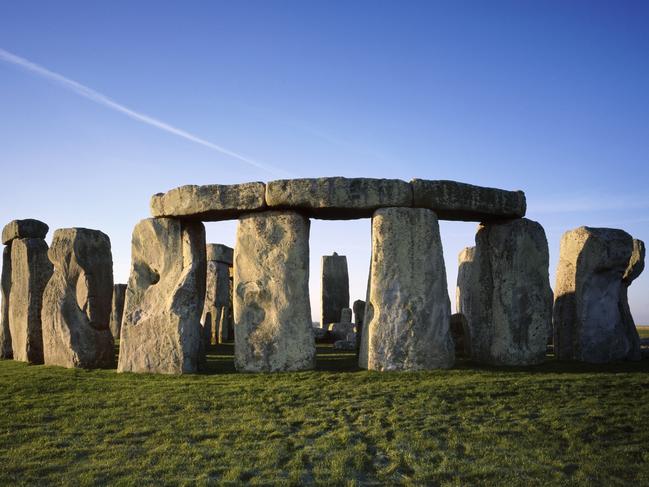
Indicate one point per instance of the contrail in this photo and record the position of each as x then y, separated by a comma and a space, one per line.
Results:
97, 97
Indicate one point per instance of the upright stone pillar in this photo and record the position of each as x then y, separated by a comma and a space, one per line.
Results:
407, 315
30, 271
5, 333
591, 317
334, 288
272, 312
161, 330
504, 293
218, 294
117, 309
77, 301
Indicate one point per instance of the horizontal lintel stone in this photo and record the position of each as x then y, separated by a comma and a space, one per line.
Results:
211, 202
28, 228
338, 198
451, 200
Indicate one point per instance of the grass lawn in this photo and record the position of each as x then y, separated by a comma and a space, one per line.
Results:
643, 331
559, 424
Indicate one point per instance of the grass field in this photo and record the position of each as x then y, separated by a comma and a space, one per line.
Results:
643, 331
558, 424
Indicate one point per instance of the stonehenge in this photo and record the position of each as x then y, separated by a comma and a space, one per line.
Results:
161, 330
592, 321
272, 312
334, 288
408, 311
117, 309
59, 305
30, 271
504, 293
217, 311
77, 301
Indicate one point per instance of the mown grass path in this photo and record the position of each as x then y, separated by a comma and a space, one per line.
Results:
559, 424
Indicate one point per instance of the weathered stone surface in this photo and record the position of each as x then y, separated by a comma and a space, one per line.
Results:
461, 335
592, 322
28, 228
346, 315
217, 308
77, 300
451, 200
505, 293
117, 309
338, 198
320, 334
161, 330
272, 312
334, 288
5, 332
30, 271
359, 311
220, 253
345, 345
212, 202
339, 331
406, 325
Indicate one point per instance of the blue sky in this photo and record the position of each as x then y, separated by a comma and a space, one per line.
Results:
547, 97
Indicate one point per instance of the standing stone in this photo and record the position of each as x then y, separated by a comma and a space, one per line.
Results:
77, 301
504, 293
272, 312
461, 335
218, 296
161, 330
30, 271
406, 325
117, 309
346, 315
5, 333
592, 322
359, 311
334, 285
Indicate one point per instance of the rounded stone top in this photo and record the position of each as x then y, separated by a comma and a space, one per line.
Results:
28, 228
220, 253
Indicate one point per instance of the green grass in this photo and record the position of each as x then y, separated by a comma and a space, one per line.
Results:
643, 331
558, 424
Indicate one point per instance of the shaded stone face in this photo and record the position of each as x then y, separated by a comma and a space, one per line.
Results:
220, 253
117, 309
504, 293
592, 321
406, 325
459, 201
359, 311
161, 329
334, 286
30, 271
218, 295
461, 335
338, 198
212, 202
5, 332
272, 312
23, 229
77, 300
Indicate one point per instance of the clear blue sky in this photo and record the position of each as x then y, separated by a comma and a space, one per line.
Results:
548, 97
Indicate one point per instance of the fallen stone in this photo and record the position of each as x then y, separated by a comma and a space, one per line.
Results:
505, 293
339, 331
28, 228
337, 198
161, 330
220, 253
591, 316
345, 345
359, 311
406, 325
272, 312
5, 332
211, 202
77, 301
30, 272
334, 287
451, 200
117, 309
